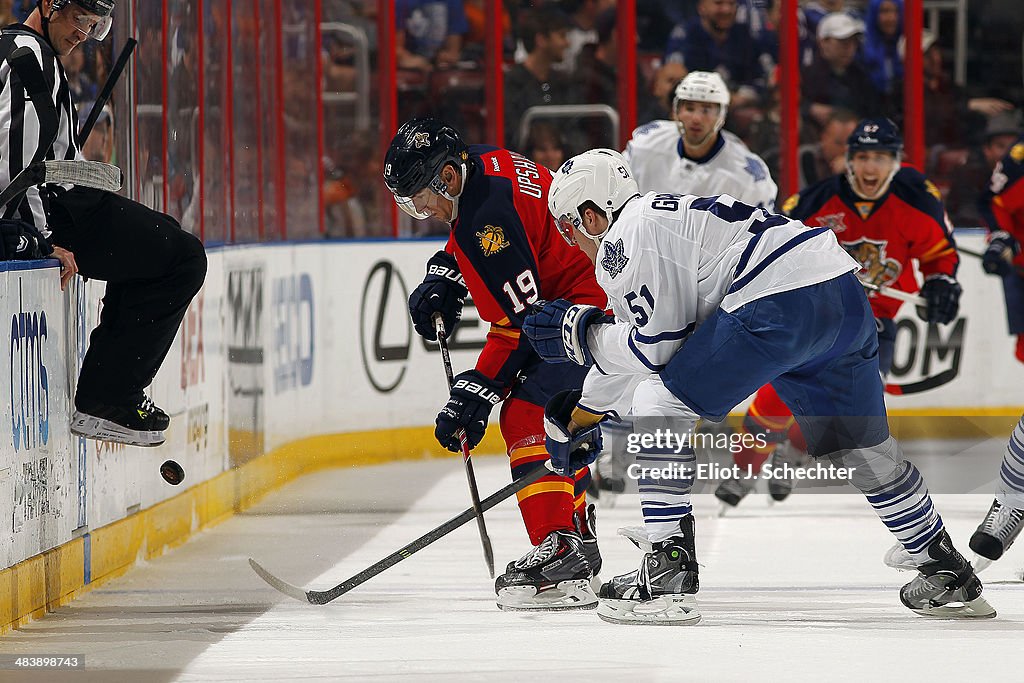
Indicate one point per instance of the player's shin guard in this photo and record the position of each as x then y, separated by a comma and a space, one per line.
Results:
548, 504
665, 500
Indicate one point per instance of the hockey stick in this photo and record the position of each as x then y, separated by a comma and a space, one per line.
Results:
108, 89
977, 254
315, 597
474, 492
93, 174
895, 294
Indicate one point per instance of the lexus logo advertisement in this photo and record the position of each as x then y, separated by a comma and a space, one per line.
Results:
385, 330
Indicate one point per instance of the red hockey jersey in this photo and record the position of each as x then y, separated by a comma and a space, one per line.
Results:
885, 235
512, 255
1007, 202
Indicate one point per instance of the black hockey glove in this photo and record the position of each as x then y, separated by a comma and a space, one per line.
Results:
22, 241
942, 294
473, 395
442, 291
998, 258
570, 452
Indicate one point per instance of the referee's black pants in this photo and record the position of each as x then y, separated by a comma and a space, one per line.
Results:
152, 268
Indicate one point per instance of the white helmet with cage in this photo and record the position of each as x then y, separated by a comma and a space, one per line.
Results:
702, 86
601, 176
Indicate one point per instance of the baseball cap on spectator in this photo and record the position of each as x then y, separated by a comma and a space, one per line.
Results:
839, 25
1004, 123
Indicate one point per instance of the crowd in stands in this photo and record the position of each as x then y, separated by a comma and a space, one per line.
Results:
564, 52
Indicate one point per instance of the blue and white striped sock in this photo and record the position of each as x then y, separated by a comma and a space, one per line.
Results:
665, 501
905, 507
1011, 474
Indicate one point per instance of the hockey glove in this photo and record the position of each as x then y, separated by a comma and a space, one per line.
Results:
22, 241
998, 258
569, 452
942, 294
442, 291
473, 395
558, 331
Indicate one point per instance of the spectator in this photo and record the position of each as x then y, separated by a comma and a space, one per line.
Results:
881, 55
545, 145
715, 42
827, 157
583, 16
544, 32
835, 79
476, 36
100, 145
662, 88
429, 33
968, 182
22, 9
7, 16
79, 82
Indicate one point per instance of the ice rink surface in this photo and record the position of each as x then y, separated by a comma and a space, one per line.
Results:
793, 592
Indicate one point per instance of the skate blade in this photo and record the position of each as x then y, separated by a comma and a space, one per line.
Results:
897, 557
979, 608
663, 611
104, 430
566, 595
980, 563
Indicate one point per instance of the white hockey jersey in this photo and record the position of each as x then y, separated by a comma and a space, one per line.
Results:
655, 153
670, 261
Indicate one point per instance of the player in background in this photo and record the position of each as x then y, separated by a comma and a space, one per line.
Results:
504, 248
151, 266
1004, 212
712, 300
693, 154
888, 217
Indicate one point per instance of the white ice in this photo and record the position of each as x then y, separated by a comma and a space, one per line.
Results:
793, 592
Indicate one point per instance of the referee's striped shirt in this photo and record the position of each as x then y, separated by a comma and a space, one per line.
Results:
33, 129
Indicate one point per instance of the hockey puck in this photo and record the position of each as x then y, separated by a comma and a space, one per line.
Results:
172, 473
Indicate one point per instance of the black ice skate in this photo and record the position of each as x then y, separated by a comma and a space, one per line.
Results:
731, 491
996, 533
142, 424
785, 454
553, 576
946, 587
588, 534
661, 591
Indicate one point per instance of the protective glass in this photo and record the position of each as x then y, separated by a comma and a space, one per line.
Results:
416, 205
91, 25
565, 223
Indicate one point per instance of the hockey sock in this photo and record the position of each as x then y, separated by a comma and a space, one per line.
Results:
767, 419
665, 480
546, 505
905, 507
1011, 474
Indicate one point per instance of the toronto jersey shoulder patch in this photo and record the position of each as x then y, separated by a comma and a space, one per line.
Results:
836, 222
615, 258
492, 239
755, 169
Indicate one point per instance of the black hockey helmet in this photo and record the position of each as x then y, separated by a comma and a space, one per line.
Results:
879, 134
88, 25
416, 156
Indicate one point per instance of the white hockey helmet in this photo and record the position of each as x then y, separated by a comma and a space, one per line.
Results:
601, 176
703, 86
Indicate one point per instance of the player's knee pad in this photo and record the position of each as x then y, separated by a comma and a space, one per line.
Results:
872, 467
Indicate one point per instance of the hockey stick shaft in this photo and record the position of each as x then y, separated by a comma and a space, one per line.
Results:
107, 91
895, 294
474, 492
977, 254
323, 597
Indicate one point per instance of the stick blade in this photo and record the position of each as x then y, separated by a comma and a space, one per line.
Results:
279, 585
95, 174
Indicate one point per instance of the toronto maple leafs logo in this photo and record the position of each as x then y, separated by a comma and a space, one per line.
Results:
421, 139
615, 258
756, 169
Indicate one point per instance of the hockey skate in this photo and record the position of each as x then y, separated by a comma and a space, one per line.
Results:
553, 576
661, 591
946, 587
785, 454
996, 533
588, 534
142, 424
731, 491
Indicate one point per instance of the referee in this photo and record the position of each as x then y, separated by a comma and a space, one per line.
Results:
151, 266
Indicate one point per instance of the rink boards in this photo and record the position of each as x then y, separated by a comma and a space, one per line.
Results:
298, 356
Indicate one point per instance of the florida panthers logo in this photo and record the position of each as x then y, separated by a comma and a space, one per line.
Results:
421, 139
876, 267
836, 222
492, 239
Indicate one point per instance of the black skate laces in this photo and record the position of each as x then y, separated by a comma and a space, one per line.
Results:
1002, 521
